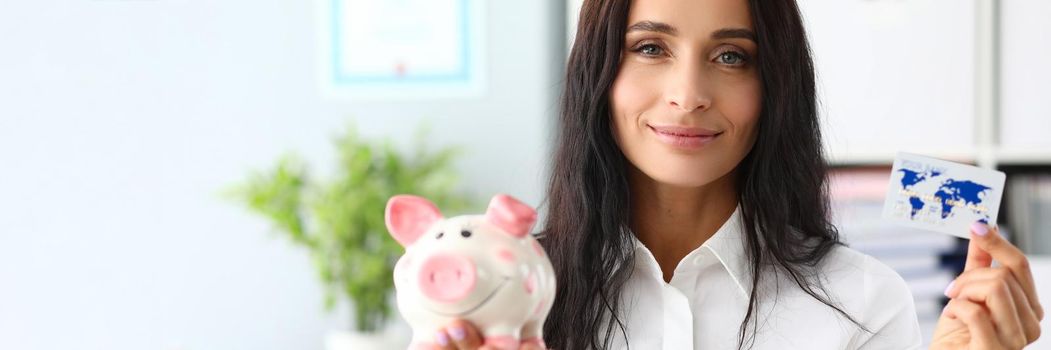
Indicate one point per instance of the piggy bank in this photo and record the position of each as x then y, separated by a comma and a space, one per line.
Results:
486, 269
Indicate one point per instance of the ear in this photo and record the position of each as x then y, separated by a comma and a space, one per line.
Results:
408, 217
511, 215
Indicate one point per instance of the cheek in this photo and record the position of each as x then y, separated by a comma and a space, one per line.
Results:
742, 110
629, 96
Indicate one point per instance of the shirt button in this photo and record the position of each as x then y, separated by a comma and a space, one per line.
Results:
699, 260
702, 258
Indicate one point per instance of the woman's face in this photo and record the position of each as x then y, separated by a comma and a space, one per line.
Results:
687, 97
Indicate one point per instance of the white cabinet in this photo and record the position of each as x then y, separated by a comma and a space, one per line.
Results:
894, 75
1025, 71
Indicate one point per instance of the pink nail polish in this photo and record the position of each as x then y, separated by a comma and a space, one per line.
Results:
458, 333
949, 288
980, 228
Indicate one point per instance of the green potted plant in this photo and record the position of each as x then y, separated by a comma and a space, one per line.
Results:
340, 220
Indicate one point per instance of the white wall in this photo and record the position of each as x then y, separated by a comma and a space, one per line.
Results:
120, 121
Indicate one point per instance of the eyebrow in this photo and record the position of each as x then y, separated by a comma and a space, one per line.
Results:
724, 33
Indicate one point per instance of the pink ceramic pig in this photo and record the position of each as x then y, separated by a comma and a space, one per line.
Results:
486, 269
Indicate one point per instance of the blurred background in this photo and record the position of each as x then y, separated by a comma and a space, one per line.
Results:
125, 125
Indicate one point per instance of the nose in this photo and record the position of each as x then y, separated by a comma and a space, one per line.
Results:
688, 92
447, 278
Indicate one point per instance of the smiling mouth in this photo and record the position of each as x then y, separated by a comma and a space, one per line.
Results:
476, 307
684, 138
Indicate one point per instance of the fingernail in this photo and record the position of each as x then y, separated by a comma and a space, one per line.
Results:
980, 228
458, 333
947, 289
443, 339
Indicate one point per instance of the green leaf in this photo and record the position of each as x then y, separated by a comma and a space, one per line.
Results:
340, 220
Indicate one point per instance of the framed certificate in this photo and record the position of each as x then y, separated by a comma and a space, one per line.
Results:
403, 49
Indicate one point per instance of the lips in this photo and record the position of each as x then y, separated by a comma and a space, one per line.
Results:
689, 138
683, 131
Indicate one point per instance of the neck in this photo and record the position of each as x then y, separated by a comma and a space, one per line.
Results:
672, 220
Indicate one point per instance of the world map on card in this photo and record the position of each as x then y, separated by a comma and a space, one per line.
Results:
952, 194
941, 196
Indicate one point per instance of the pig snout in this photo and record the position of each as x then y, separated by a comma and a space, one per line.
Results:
447, 278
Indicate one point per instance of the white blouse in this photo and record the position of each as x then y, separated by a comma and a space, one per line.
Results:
703, 306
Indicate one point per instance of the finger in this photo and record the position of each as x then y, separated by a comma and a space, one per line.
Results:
1026, 314
992, 245
464, 335
441, 338
996, 296
1030, 323
978, 322
976, 256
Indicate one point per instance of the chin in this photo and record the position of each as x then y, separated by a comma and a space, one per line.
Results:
685, 182
682, 175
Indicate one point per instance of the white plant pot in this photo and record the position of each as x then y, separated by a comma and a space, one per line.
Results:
352, 340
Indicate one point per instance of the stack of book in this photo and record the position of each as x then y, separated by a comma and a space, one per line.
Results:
1028, 209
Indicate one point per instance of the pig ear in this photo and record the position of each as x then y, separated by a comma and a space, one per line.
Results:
408, 217
511, 215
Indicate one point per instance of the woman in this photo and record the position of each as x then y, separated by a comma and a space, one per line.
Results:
688, 204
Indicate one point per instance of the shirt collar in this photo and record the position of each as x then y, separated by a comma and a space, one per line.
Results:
727, 244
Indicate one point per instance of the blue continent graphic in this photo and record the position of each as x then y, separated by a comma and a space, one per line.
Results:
911, 178
917, 204
964, 192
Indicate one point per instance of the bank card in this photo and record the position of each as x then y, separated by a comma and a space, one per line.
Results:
941, 196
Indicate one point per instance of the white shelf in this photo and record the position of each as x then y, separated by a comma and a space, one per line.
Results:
879, 157
1007, 156
995, 155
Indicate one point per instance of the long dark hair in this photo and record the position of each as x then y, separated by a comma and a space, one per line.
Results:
586, 233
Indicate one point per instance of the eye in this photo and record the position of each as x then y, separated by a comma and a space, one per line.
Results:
732, 58
465, 233
439, 236
651, 49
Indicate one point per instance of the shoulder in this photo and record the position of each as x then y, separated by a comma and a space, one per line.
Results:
865, 274
875, 295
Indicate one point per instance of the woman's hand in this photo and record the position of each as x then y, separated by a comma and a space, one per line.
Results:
462, 335
991, 307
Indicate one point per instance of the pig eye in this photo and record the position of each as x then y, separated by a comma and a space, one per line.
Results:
440, 234
465, 233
